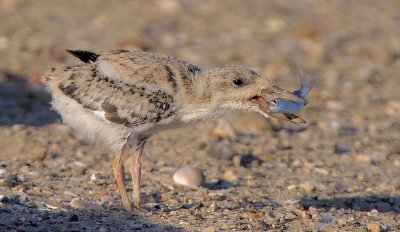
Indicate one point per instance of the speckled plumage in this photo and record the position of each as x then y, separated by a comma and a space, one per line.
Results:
124, 97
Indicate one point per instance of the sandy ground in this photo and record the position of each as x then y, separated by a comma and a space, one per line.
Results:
339, 173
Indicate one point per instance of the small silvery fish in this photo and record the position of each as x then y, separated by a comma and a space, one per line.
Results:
290, 108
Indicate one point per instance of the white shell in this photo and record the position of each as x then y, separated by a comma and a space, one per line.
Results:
189, 176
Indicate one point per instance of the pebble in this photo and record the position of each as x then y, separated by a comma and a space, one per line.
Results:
373, 212
307, 186
52, 203
374, 227
189, 176
237, 160
78, 204
342, 148
230, 175
208, 229
152, 205
224, 129
214, 207
364, 158
95, 176
221, 151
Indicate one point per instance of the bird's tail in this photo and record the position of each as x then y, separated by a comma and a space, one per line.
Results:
85, 56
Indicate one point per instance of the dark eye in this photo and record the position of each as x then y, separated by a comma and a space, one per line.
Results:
238, 82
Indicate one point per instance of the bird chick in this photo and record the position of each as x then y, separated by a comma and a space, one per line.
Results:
124, 97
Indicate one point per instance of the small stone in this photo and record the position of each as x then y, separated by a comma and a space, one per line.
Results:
341, 148
224, 129
102, 229
326, 220
214, 207
152, 205
364, 158
373, 212
237, 160
95, 176
78, 204
230, 175
189, 176
374, 227
221, 151
307, 186
209, 229
3, 198
52, 203
70, 194
305, 215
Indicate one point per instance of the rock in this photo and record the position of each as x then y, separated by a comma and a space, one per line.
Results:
374, 227
224, 129
189, 176
305, 215
307, 186
325, 220
214, 207
230, 175
221, 151
364, 158
95, 176
52, 203
3, 198
209, 229
373, 212
152, 205
237, 160
78, 204
341, 148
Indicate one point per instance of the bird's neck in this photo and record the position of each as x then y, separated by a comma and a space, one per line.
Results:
197, 103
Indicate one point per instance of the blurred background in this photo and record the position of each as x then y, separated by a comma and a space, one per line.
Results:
348, 155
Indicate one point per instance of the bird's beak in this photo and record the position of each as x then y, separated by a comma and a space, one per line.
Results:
275, 92
269, 94
272, 92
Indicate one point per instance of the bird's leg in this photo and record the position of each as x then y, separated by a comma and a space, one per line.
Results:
119, 174
136, 171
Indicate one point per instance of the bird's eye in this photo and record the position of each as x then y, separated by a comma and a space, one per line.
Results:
238, 82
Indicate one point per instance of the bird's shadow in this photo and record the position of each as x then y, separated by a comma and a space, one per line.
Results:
382, 203
14, 217
220, 184
24, 103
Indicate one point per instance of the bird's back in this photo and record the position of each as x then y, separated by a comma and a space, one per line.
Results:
129, 89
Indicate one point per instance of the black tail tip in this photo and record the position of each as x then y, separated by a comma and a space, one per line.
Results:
85, 56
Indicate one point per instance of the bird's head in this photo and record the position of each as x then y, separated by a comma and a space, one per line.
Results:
235, 88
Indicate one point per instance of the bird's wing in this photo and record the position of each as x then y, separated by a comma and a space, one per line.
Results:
130, 89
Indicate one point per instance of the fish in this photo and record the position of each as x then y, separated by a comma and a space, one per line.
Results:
289, 108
